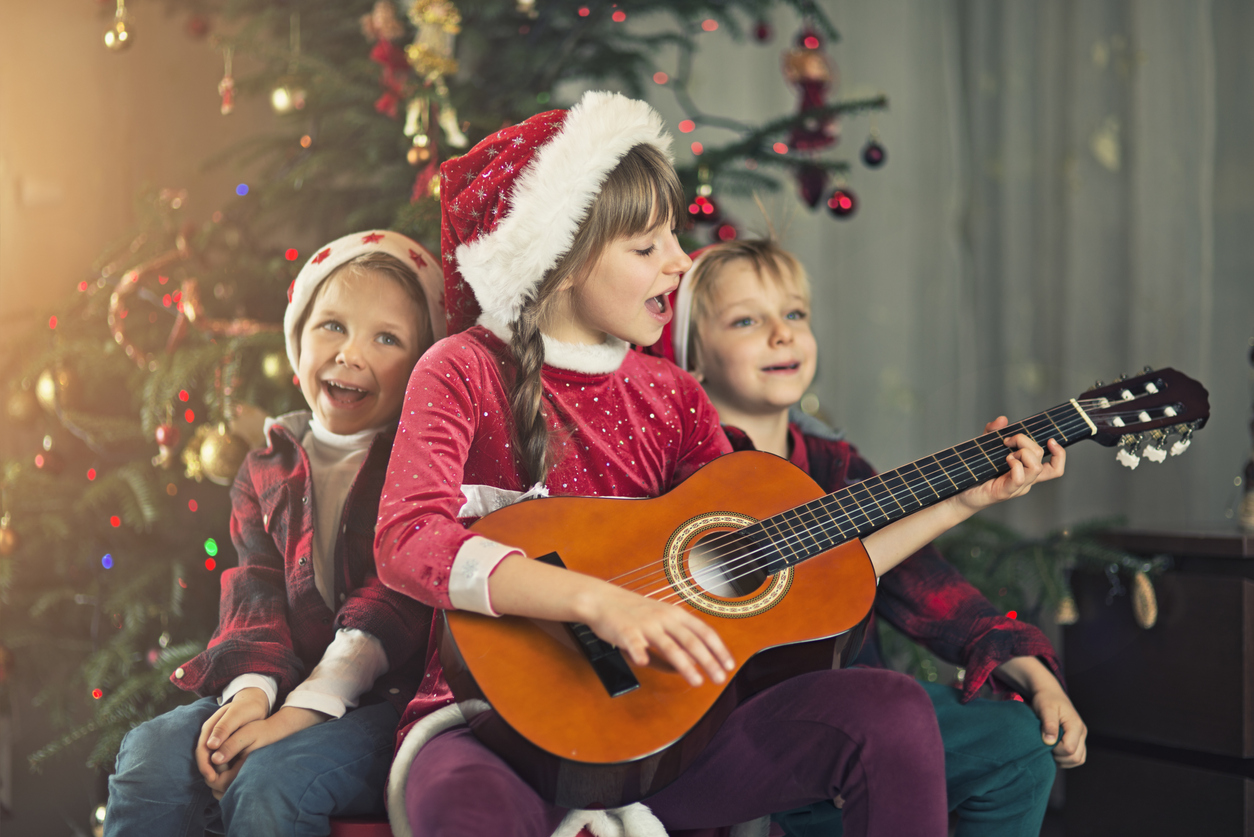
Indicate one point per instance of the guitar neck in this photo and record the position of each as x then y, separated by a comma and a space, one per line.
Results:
793, 536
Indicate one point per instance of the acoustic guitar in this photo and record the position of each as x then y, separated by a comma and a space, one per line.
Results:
751, 545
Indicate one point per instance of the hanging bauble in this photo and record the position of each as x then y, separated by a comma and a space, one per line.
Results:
167, 435
843, 202
8, 538
527, 8
214, 453
726, 231
703, 210
118, 38
762, 32
1144, 602
873, 154
381, 22
288, 95
420, 151
22, 405
56, 386
807, 67
1067, 612
812, 181
275, 367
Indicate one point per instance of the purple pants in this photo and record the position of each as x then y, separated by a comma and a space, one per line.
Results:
869, 735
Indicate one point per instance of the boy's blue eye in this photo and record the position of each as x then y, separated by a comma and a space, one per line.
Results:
743, 321
389, 339
332, 325
798, 315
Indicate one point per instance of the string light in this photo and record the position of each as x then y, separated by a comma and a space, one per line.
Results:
584, 11
292, 254
1012, 614
97, 694
697, 148
161, 280
82, 286
171, 489
191, 505
91, 473
190, 415
52, 322
107, 561
660, 77
210, 564
780, 148
183, 396
115, 521
619, 16
687, 126
211, 547
241, 189
709, 24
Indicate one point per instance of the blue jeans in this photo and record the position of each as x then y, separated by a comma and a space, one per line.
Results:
292, 787
998, 772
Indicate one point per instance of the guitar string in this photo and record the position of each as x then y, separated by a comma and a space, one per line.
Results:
623, 578
1033, 425
825, 526
940, 475
887, 494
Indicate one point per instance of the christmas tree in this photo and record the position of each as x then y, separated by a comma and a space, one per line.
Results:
139, 407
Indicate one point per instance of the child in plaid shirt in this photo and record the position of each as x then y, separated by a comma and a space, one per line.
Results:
305, 625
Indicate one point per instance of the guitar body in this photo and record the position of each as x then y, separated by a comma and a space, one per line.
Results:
554, 719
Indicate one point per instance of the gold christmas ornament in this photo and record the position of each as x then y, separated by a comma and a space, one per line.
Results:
214, 453
118, 37
8, 538
431, 53
56, 386
1144, 602
275, 367
1067, 612
289, 94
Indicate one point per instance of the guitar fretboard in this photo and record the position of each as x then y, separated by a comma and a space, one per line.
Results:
855, 512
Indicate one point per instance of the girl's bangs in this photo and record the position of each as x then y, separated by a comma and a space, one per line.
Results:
642, 192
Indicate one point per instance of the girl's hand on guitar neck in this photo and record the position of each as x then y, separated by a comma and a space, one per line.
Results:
636, 625
1026, 469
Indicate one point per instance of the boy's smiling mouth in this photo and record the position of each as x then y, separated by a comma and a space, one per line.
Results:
783, 367
343, 394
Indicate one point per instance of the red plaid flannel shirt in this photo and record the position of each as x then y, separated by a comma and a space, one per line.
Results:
272, 619
924, 597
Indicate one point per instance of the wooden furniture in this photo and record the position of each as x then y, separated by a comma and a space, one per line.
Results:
1170, 709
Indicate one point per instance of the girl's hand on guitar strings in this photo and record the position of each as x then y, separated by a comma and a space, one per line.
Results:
639, 625
1026, 469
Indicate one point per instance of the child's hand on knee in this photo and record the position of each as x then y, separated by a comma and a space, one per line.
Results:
247, 706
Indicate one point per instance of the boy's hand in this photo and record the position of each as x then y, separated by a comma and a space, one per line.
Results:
231, 754
1026, 469
246, 706
1051, 704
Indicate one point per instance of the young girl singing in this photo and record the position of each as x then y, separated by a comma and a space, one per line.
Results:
563, 228
303, 682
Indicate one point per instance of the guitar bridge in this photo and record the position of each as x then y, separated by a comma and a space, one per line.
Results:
608, 663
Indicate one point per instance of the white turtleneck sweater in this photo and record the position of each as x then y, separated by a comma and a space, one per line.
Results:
354, 659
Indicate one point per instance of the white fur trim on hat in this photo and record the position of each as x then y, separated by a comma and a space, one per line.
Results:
349, 247
551, 197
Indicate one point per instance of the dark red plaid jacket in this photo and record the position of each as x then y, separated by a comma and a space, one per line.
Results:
924, 597
272, 619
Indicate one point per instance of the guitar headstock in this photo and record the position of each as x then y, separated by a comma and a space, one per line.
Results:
1152, 414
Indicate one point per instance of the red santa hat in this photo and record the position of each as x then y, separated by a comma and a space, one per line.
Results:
511, 205
343, 250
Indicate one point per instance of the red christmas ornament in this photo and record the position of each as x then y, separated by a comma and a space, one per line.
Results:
167, 435
873, 154
812, 181
762, 32
702, 210
843, 202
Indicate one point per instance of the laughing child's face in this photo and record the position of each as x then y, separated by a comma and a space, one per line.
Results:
359, 344
754, 352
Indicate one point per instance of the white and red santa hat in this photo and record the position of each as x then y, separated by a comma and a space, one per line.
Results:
345, 249
511, 205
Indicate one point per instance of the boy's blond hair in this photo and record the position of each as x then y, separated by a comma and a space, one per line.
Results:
771, 262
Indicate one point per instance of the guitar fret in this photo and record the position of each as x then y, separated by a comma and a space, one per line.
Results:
902, 498
781, 540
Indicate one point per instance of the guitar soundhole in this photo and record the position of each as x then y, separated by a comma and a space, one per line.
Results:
718, 564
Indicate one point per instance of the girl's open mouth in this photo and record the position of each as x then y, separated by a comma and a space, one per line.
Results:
657, 305
343, 394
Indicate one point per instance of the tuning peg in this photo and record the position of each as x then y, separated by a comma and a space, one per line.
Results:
1149, 370
1155, 449
1098, 384
1128, 455
1182, 444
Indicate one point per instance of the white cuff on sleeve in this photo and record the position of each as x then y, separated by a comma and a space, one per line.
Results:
468, 581
264, 682
347, 670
